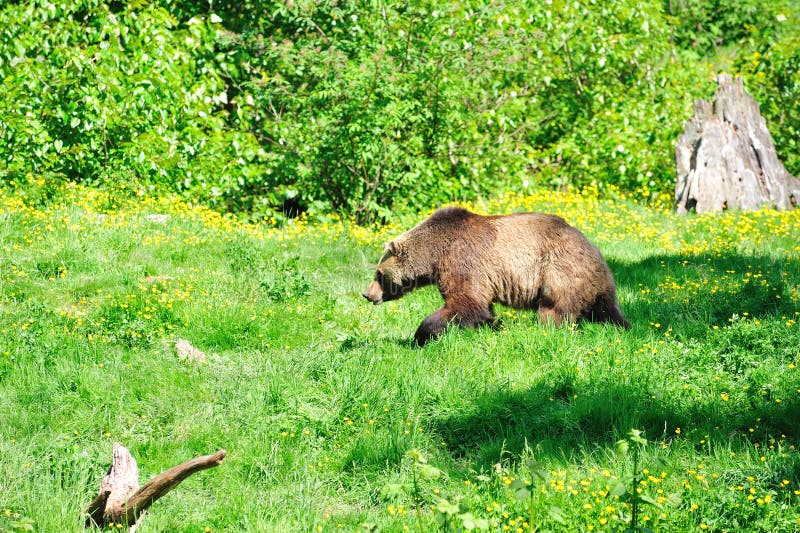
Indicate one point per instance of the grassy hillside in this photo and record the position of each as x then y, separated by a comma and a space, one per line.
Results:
319, 398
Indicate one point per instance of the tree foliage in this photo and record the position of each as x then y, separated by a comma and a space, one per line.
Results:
773, 74
706, 25
366, 106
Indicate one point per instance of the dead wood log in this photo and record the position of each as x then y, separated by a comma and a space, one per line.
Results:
121, 501
726, 158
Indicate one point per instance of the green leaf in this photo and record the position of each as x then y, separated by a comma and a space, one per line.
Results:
636, 435
644, 498
522, 494
658, 462
557, 514
416, 456
619, 489
674, 499
393, 490
519, 484
482, 524
428, 472
622, 447
470, 522
533, 466
446, 507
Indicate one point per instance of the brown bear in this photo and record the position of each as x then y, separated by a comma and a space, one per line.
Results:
522, 260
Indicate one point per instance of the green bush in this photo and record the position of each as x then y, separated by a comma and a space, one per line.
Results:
428, 104
93, 95
772, 73
704, 25
366, 107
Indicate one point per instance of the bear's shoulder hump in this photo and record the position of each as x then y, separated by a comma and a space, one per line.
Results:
450, 214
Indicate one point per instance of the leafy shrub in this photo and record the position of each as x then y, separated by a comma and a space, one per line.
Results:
426, 104
242, 256
704, 25
772, 73
93, 95
365, 108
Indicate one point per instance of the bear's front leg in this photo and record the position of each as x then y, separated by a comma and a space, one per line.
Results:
469, 315
433, 325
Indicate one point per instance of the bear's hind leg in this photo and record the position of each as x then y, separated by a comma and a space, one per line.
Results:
549, 315
606, 309
555, 311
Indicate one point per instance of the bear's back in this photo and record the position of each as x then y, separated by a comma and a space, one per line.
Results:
539, 234
533, 252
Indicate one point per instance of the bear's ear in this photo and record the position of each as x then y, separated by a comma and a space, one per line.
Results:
396, 248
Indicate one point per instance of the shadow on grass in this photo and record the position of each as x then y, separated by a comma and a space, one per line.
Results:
552, 421
349, 344
409, 343
689, 293
692, 293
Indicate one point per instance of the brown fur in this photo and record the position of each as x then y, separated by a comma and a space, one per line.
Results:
523, 260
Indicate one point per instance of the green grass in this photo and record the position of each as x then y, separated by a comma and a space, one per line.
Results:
318, 397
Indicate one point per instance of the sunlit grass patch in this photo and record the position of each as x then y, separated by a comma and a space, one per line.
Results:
318, 397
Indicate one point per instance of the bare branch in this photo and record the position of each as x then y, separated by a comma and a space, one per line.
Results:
121, 501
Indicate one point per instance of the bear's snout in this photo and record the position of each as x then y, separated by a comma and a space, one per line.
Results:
374, 293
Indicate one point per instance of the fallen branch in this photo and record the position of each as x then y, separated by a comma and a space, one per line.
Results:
121, 501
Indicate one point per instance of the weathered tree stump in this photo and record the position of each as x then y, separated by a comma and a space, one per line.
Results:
726, 158
121, 501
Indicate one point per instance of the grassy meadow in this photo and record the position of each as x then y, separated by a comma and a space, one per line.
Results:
334, 421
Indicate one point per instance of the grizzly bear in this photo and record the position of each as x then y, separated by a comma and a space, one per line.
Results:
522, 260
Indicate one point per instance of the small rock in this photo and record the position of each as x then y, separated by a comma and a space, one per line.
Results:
187, 351
157, 218
156, 279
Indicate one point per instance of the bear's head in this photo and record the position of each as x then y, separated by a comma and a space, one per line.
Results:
392, 278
